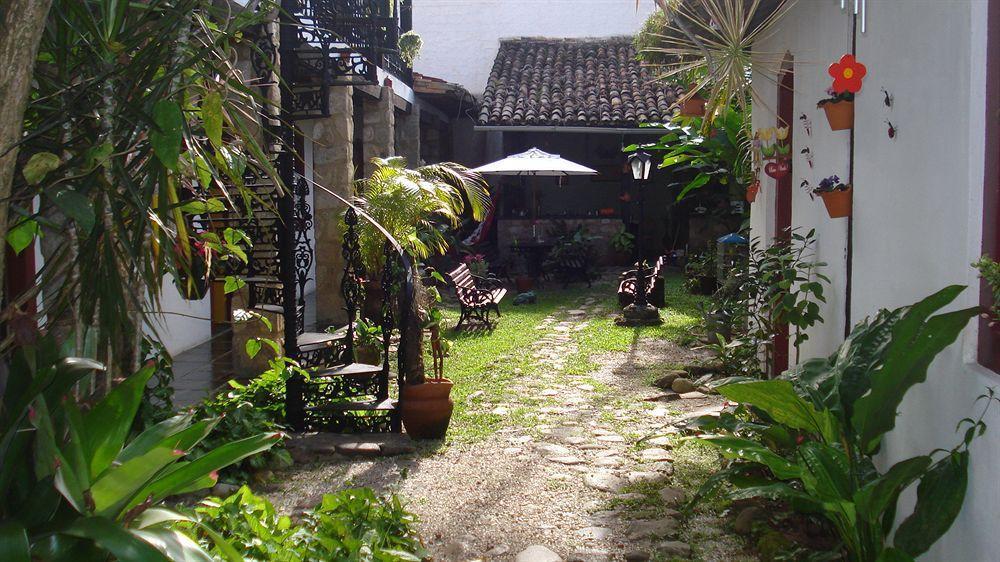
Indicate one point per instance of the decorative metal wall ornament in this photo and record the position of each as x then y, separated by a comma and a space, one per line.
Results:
806, 124
891, 131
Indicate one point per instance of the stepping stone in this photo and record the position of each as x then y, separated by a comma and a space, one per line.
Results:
537, 553
636, 556
643, 477
631, 496
359, 449
674, 549
667, 397
603, 481
672, 496
552, 450
607, 461
655, 454
595, 533
513, 451
611, 438
682, 385
605, 517
695, 395
500, 411
587, 387
662, 441
568, 460
574, 440
590, 447
577, 312
658, 413
667, 380
652, 529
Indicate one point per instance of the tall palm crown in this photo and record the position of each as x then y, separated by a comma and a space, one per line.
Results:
414, 205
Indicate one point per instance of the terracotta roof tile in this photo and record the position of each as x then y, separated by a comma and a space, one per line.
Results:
573, 83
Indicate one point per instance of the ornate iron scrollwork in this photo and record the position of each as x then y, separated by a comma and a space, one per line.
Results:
303, 222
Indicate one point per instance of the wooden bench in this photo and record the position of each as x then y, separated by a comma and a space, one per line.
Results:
655, 285
478, 296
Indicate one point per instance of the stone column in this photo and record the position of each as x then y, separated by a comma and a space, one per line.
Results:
408, 136
333, 168
379, 128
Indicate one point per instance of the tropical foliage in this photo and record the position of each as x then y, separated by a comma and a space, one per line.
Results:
809, 437
416, 206
88, 490
352, 524
138, 123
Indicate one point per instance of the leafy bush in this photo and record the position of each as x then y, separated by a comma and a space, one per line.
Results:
989, 270
257, 407
809, 437
352, 524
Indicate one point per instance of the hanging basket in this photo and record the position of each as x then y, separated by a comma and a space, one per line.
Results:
693, 107
752, 191
839, 114
838, 203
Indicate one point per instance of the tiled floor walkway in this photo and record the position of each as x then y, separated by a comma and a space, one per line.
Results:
209, 365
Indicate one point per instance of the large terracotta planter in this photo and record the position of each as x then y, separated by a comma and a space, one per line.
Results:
839, 114
524, 283
838, 203
426, 408
693, 107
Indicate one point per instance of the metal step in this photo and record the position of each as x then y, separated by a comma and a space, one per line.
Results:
349, 370
386, 405
309, 341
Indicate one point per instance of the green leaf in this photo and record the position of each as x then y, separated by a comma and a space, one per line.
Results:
876, 497
115, 539
39, 166
22, 234
151, 437
77, 207
916, 341
233, 284
827, 473
253, 348
211, 114
201, 207
175, 544
736, 448
779, 400
109, 422
166, 138
939, 500
14, 545
893, 555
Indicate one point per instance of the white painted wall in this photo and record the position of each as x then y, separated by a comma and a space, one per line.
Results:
917, 209
461, 37
182, 324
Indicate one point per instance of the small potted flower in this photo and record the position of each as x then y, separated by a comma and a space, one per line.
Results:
836, 196
847, 75
367, 342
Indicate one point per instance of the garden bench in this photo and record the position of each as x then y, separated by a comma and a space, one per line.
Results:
655, 289
477, 296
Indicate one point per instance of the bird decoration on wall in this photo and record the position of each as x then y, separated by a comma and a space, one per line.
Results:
806, 124
887, 98
891, 131
807, 152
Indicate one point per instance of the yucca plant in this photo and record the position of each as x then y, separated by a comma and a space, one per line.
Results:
708, 46
74, 486
416, 206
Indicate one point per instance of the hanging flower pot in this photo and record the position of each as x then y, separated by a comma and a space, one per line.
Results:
693, 106
838, 203
840, 114
193, 282
752, 191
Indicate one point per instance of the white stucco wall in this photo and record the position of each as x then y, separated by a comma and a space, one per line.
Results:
917, 209
182, 324
461, 37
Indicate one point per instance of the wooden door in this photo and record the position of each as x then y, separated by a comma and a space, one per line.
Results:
783, 200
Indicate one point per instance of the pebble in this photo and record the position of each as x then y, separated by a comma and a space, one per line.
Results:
672, 496
567, 460
636, 556
674, 548
667, 380
682, 385
693, 395
652, 529
595, 533
655, 454
611, 438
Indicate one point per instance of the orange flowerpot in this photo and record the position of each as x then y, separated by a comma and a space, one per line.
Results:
693, 107
426, 408
839, 114
838, 203
752, 192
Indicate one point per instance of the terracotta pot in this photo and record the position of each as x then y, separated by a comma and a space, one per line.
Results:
693, 107
426, 408
839, 114
752, 191
524, 283
838, 203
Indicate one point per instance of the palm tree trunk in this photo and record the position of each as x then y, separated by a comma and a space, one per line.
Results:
22, 22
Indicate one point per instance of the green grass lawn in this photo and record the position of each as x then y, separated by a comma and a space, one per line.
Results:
485, 365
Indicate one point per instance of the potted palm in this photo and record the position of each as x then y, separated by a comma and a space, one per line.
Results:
367, 342
426, 404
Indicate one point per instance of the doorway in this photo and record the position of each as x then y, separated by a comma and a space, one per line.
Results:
783, 199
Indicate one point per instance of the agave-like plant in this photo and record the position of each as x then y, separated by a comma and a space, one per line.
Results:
416, 206
708, 44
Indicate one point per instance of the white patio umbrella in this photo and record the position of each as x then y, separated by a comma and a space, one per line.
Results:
535, 162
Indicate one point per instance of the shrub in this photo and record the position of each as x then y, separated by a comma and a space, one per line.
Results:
352, 524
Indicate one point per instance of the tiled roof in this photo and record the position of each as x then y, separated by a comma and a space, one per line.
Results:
572, 83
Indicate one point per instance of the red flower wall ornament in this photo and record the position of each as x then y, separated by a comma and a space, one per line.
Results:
847, 75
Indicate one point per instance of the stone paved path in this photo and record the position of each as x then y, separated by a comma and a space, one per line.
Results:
573, 483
